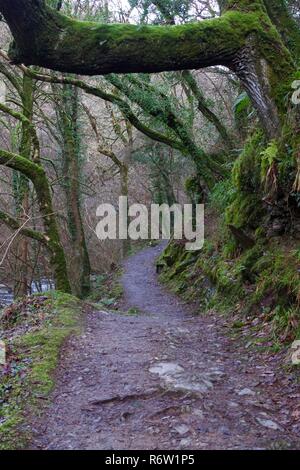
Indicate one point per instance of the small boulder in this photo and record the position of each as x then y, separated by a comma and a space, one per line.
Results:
182, 429
2, 353
268, 423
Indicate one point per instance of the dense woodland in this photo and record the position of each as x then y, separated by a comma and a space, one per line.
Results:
163, 101
227, 132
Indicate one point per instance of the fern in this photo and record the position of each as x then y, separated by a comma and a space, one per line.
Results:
268, 158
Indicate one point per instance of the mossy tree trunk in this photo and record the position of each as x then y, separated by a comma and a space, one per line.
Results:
68, 119
285, 24
21, 186
124, 179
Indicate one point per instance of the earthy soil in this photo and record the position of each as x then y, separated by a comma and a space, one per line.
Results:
165, 379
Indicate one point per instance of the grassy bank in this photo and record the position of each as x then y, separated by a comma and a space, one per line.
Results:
34, 330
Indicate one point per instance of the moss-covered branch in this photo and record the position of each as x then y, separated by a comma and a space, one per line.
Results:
123, 106
47, 38
12, 223
204, 108
26, 122
38, 177
157, 105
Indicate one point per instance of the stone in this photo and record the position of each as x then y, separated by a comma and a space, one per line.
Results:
182, 429
203, 429
198, 413
246, 391
166, 368
295, 353
2, 353
268, 423
233, 404
184, 385
225, 431
185, 442
176, 378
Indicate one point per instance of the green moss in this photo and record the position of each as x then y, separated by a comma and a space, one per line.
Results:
286, 24
263, 280
183, 37
42, 347
246, 171
245, 211
279, 271
263, 169
93, 48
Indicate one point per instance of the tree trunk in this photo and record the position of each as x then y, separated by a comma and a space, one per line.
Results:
79, 262
253, 71
22, 189
125, 244
285, 24
124, 180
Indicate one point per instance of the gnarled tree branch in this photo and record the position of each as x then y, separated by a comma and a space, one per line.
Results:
47, 38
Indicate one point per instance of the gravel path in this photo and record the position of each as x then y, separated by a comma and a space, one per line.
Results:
165, 379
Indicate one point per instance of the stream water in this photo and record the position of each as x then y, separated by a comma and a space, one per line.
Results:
7, 297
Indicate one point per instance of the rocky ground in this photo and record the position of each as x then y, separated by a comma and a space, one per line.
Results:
165, 379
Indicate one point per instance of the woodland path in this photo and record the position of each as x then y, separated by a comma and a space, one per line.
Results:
165, 379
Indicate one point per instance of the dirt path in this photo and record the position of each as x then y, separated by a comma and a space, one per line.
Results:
164, 379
